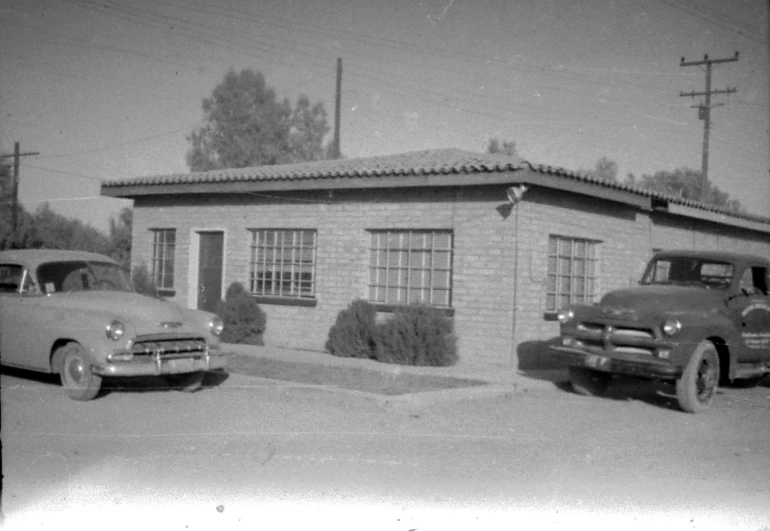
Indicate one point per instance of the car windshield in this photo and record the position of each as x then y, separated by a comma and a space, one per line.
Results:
79, 275
689, 270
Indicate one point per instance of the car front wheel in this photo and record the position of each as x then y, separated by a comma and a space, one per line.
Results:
697, 387
588, 382
75, 373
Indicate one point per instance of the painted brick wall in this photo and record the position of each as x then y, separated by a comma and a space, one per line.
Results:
493, 321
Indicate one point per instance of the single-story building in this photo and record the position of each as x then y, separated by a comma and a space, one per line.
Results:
498, 243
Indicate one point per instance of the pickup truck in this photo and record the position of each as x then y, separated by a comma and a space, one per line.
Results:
698, 319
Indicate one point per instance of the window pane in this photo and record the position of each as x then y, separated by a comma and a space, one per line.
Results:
284, 260
417, 263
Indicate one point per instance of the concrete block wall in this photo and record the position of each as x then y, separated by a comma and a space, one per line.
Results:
676, 232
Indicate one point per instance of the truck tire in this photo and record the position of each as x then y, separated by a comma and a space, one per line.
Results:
588, 382
697, 387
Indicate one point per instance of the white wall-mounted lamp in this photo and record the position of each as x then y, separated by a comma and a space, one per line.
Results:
516, 192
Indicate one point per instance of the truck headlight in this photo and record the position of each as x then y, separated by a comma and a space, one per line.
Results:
216, 326
115, 330
671, 326
565, 316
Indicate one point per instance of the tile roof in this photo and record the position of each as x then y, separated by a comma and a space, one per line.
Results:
431, 162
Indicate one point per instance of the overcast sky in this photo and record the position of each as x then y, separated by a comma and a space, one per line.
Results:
110, 89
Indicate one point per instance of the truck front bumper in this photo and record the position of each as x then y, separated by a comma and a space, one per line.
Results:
645, 368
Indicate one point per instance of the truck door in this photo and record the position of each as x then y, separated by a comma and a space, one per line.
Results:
754, 315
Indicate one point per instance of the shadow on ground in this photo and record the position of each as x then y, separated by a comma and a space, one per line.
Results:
136, 384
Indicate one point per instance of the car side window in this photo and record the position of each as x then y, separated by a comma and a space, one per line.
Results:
759, 279
10, 278
28, 286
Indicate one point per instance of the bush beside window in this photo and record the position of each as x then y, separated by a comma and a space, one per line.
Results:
244, 320
142, 281
415, 335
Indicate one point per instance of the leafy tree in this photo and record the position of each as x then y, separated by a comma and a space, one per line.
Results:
686, 183
605, 169
502, 147
246, 125
119, 243
53, 231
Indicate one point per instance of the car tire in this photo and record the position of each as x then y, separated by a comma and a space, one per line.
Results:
188, 382
588, 382
75, 373
697, 387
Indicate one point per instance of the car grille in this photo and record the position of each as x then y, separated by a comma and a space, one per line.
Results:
168, 347
615, 339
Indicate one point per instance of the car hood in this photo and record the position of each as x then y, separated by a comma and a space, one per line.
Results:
139, 311
648, 301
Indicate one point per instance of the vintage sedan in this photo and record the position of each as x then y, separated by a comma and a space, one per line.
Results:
76, 314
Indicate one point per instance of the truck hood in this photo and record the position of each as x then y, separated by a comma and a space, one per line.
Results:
138, 311
648, 301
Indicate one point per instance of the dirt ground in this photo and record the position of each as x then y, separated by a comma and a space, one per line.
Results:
248, 452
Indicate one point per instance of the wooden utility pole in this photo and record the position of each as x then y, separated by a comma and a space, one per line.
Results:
704, 111
337, 110
17, 154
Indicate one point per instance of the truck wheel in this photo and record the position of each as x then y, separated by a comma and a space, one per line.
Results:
697, 387
588, 382
75, 373
189, 382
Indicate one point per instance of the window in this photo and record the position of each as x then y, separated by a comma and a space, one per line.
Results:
282, 263
411, 266
163, 244
10, 278
571, 272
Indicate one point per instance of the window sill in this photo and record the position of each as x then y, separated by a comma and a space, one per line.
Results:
286, 301
390, 308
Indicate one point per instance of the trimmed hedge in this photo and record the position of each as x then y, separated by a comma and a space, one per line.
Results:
414, 335
353, 335
245, 322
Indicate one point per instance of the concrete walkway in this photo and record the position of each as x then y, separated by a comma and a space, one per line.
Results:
501, 380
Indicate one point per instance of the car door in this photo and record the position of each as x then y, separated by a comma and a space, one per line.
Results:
753, 314
21, 330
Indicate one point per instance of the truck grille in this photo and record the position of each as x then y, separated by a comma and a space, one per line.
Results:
615, 339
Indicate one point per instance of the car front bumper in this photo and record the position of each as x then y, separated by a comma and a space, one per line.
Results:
167, 364
645, 368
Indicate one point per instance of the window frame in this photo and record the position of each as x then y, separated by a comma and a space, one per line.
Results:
295, 295
161, 277
380, 268
556, 275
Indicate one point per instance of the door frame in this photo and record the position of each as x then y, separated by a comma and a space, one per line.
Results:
193, 263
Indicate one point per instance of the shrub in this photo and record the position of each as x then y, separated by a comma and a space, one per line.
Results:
417, 335
353, 334
142, 281
244, 320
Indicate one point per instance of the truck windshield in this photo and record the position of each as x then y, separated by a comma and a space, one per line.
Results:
55, 277
688, 270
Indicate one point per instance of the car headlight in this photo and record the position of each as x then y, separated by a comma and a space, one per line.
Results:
565, 316
671, 326
115, 330
216, 326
